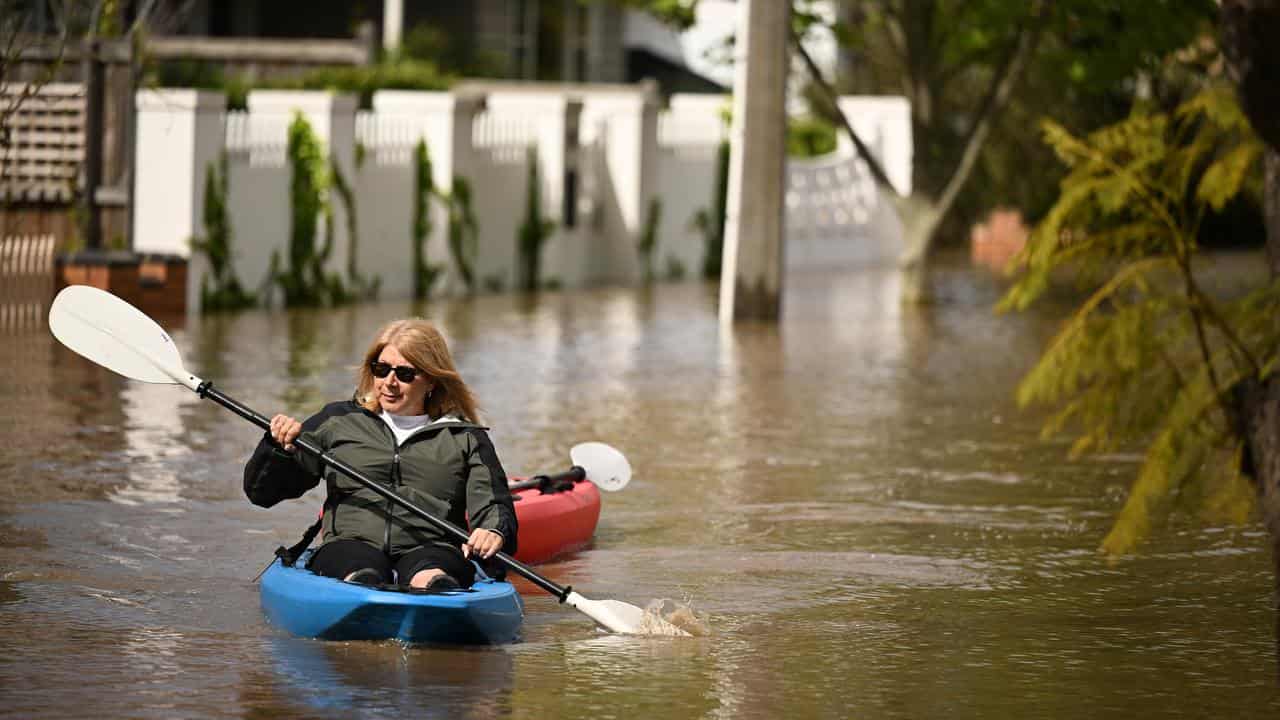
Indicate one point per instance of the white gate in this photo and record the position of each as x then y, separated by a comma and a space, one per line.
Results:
836, 217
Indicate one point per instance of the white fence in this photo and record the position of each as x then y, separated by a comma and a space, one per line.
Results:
605, 160
26, 280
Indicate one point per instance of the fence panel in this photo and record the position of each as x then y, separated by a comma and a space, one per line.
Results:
41, 161
26, 280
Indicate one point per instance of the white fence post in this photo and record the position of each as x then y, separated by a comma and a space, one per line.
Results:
444, 121
554, 118
622, 131
690, 133
180, 134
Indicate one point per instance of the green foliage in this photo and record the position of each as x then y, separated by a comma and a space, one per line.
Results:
110, 24
1091, 59
810, 137
363, 80
200, 74
425, 273
359, 80
451, 53
710, 221
1097, 46
679, 14
534, 230
1150, 357
304, 280
463, 232
495, 282
219, 289
361, 287
648, 242
675, 268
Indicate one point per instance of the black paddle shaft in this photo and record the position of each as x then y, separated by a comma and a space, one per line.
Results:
574, 474
207, 391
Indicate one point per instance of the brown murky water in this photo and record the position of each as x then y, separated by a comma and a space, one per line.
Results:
850, 500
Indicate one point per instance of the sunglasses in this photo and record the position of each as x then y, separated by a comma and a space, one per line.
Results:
404, 373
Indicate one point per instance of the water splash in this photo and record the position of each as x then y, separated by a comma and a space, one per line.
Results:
669, 618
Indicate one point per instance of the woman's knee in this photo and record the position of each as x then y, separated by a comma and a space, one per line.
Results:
352, 560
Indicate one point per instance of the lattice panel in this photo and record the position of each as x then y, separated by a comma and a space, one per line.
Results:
42, 160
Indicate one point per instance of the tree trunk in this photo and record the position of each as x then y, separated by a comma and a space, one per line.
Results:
921, 216
1259, 402
1249, 29
1259, 407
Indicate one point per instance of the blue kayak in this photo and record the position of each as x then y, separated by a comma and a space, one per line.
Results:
310, 605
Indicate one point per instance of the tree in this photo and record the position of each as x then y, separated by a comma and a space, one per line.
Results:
1249, 30
676, 13
960, 64
1151, 357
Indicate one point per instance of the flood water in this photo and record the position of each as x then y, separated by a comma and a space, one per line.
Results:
851, 500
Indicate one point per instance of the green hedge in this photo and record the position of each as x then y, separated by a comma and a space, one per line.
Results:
361, 80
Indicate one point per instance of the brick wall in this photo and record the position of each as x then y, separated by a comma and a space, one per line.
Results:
155, 284
995, 242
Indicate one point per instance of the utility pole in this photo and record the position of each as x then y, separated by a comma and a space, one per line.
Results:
751, 270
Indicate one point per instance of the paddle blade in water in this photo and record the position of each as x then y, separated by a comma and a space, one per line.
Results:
668, 617
116, 335
617, 616
605, 466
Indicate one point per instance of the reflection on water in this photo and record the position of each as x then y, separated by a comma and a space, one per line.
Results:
153, 442
851, 499
385, 679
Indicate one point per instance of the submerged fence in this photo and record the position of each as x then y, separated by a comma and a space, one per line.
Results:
26, 280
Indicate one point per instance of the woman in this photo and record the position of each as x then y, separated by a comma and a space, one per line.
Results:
411, 427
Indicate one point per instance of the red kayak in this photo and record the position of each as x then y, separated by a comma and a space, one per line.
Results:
555, 521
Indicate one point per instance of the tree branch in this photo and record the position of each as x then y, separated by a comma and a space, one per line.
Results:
893, 32
877, 172
1002, 83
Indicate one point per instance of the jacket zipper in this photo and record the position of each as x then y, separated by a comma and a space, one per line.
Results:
395, 481
395, 478
391, 506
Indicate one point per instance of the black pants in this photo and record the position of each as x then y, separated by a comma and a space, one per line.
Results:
339, 558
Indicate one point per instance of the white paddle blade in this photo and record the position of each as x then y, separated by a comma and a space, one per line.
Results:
612, 615
605, 466
625, 618
116, 335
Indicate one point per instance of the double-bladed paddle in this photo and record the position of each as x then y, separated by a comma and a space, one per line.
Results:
121, 338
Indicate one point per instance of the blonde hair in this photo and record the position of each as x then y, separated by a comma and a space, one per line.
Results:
421, 343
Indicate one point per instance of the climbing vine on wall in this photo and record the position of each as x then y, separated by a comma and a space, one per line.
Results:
304, 280
361, 287
648, 241
710, 221
219, 289
533, 232
463, 232
425, 273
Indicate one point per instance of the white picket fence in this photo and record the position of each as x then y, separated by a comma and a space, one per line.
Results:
606, 161
26, 280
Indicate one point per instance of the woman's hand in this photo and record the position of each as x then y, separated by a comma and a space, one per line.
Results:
284, 430
482, 543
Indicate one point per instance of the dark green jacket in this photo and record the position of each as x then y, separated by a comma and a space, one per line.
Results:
448, 469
